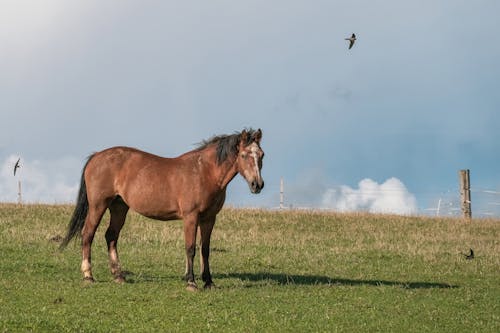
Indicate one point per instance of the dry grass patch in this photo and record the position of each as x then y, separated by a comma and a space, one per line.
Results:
276, 271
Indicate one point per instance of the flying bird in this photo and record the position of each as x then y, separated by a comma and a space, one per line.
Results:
351, 40
469, 256
17, 166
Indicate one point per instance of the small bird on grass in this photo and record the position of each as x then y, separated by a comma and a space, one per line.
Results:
17, 166
56, 238
351, 40
469, 256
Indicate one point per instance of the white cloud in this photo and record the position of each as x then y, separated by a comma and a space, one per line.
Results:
42, 181
392, 196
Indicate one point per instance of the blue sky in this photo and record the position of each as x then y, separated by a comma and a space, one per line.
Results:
415, 100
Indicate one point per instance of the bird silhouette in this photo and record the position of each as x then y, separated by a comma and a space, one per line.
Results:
17, 166
351, 40
469, 256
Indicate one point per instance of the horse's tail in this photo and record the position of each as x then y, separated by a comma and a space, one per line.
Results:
80, 213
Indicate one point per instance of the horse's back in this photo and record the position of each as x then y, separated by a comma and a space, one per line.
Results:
106, 169
121, 154
143, 180
111, 162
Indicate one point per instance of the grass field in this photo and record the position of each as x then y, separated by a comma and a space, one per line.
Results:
275, 271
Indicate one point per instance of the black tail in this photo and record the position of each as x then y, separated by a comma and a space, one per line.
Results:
82, 206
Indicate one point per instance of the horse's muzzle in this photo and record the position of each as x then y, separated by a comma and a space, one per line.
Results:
256, 186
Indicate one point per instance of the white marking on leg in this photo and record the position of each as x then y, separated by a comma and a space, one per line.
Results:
114, 263
113, 256
86, 268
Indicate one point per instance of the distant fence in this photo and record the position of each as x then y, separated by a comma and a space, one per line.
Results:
464, 201
483, 203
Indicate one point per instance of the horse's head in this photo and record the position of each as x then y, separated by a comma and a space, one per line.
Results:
249, 160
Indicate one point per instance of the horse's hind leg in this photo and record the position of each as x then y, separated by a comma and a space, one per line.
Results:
118, 211
92, 221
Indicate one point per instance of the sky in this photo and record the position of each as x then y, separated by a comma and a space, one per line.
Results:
382, 127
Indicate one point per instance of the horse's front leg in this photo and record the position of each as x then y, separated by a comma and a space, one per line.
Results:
190, 228
206, 227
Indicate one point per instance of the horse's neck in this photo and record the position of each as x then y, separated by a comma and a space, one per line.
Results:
225, 171
228, 172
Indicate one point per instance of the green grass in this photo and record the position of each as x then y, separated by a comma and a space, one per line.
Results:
275, 271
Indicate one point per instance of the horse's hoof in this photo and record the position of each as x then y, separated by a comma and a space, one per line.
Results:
88, 280
191, 286
209, 286
120, 279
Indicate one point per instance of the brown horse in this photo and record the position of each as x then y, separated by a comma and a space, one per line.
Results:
191, 187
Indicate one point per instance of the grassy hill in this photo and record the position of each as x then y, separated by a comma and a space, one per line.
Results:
275, 271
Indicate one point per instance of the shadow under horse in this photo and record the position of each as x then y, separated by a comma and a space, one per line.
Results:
285, 279
191, 187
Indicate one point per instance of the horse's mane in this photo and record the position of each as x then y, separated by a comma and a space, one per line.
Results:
227, 145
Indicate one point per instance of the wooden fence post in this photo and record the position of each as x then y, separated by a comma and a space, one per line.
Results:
465, 198
19, 193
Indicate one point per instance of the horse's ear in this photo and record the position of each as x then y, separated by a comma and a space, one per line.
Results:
257, 136
243, 137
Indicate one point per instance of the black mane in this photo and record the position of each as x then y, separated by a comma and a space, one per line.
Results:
227, 145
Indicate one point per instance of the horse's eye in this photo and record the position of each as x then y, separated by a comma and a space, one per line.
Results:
243, 155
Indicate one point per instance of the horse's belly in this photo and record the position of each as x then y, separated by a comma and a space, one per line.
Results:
154, 208
162, 216
158, 213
